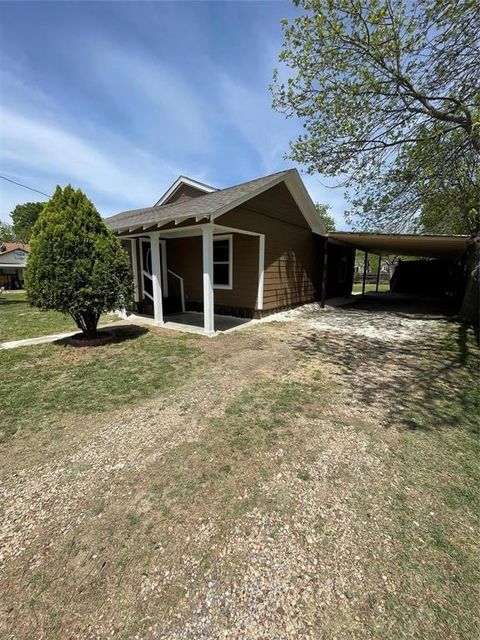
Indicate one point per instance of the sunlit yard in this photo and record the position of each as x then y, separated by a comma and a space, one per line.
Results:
369, 287
331, 476
19, 320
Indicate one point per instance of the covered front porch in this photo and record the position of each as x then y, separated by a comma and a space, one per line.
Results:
193, 322
185, 278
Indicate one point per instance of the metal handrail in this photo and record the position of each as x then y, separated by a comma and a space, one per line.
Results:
182, 292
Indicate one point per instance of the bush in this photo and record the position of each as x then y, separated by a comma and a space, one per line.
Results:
76, 265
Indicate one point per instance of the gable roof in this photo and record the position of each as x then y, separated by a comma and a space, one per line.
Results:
6, 247
181, 180
214, 204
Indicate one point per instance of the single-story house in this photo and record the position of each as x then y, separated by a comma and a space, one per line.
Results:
245, 251
13, 260
249, 250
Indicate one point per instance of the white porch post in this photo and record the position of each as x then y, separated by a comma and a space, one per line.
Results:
261, 271
156, 279
207, 244
136, 296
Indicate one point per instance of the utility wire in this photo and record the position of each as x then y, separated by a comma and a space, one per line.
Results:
25, 186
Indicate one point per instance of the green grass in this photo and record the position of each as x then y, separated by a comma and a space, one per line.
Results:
357, 287
49, 383
400, 535
19, 320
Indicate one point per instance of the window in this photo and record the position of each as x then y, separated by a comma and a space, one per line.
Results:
222, 262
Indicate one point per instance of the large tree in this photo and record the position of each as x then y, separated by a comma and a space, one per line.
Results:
433, 187
327, 219
377, 81
76, 265
7, 234
24, 217
378, 86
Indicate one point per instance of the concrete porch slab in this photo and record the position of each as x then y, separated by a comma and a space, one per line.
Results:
192, 322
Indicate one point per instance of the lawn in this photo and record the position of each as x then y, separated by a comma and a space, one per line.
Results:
357, 287
53, 383
19, 320
279, 482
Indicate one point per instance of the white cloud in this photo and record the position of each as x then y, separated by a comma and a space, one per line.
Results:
63, 155
249, 111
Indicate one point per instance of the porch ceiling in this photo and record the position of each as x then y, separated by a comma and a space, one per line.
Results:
427, 246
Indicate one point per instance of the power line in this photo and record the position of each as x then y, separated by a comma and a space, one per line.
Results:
25, 186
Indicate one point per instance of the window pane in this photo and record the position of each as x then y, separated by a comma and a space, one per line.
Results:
220, 251
220, 274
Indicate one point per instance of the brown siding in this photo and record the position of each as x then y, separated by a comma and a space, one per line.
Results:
184, 256
184, 192
293, 254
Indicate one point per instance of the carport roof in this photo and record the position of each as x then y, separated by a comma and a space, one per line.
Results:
426, 246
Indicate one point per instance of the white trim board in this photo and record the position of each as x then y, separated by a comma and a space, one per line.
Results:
298, 192
229, 237
183, 180
294, 184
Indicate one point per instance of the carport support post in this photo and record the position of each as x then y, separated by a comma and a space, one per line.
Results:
378, 272
156, 279
365, 262
323, 294
208, 313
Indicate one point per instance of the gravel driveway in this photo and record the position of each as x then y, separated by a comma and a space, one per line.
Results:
256, 500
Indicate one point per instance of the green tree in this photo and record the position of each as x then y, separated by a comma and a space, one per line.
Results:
7, 233
432, 187
376, 83
327, 219
24, 217
76, 265
371, 78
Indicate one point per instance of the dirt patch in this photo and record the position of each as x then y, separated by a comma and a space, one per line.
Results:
279, 493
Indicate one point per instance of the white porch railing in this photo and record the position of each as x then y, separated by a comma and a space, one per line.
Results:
145, 292
182, 292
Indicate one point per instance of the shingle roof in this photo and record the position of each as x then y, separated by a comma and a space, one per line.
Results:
203, 205
6, 247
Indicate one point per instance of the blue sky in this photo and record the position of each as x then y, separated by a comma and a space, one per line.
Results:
119, 98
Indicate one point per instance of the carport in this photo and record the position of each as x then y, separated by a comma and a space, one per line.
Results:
448, 247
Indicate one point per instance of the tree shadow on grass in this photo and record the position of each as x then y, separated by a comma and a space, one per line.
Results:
121, 333
427, 384
9, 301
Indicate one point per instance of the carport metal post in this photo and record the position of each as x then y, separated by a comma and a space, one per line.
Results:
323, 294
364, 272
378, 272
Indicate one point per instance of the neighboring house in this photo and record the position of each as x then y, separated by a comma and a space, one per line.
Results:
248, 250
13, 260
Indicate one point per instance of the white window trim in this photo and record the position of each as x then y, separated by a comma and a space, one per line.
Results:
228, 237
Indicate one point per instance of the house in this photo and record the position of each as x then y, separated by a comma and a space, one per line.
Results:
13, 260
244, 251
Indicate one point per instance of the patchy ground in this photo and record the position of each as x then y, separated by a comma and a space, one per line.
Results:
314, 478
